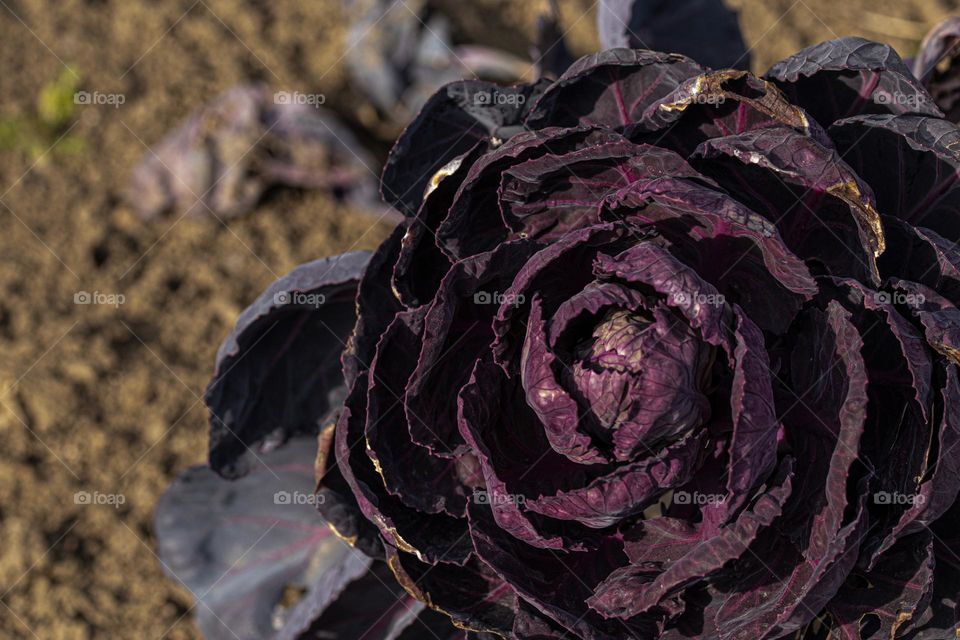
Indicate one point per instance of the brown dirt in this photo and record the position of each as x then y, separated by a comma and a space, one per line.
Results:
101, 399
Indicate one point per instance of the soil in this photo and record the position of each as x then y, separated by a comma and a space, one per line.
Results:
105, 398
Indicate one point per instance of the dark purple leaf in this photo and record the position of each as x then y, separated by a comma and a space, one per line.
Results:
921, 255
717, 104
610, 89
515, 463
736, 250
557, 585
432, 484
376, 303
895, 593
911, 162
421, 263
337, 503
278, 372
848, 77
475, 223
810, 563
428, 536
821, 207
457, 325
554, 273
660, 563
457, 118
472, 595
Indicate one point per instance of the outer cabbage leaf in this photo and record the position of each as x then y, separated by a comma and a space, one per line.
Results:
458, 117
237, 545
716, 104
472, 595
912, 164
421, 480
611, 88
473, 223
556, 585
278, 372
821, 207
431, 537
891, 598
851, 76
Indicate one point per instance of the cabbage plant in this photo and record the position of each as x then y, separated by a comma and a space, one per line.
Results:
658, 351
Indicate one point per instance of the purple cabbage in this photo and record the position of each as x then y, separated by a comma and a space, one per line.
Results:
658, 351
